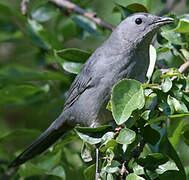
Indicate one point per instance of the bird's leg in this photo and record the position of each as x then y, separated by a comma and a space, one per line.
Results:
97, 174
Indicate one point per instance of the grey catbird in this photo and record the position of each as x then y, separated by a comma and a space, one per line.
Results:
125, 54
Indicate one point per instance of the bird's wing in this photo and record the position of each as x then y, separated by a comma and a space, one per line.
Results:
79, 85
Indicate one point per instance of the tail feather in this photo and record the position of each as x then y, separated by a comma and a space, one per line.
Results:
43, 142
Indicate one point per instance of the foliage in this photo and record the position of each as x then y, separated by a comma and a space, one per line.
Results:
40, 55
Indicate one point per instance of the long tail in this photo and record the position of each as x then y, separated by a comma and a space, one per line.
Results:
44, 141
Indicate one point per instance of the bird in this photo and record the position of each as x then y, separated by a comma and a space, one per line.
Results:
125, 54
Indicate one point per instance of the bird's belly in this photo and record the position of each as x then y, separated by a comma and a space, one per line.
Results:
90, 108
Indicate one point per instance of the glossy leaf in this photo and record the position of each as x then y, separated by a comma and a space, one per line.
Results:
176, 105
153, 56
44, 13
127, 96
126, 136
183, 25
133, 176
167, 85
86, 153
72, 67
73, 54
173, 37
89, 139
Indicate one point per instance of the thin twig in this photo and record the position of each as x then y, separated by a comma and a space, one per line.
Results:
71, 6
184, 67
24, 6
97, 175
92, 16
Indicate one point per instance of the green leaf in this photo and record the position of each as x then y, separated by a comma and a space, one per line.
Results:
136, 7
153, 120
133, 176
44, 12
89, 173
169, 165
166, 148
176, 105
183, 25
156, 76
93, 130
127, 96
73, 54
152, 161
174, 131
110, 144
66, 139
58, 172
126, 136
86, 24
146, 114
185, 53
153, 57
110, 177
167, 85
171, 174
72, 67
109, 156
48, 161
93, 135
28, 169
13, 16
185, 133
86, 153
107, 137
125, 3
113, 168
148, 132
173, 37
88, 138
41, 36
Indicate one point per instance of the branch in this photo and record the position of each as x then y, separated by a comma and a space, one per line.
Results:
92, 16
71, 6
24, 6
184, 67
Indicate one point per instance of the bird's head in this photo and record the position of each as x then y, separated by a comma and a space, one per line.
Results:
140, 27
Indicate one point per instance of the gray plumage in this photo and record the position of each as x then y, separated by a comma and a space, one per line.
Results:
125, 54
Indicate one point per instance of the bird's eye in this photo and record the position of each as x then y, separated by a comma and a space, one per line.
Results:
138, 21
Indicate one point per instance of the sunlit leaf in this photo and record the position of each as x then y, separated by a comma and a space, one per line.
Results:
126, 136
44, 13
167, 85
127, 96
133, 176
153, 56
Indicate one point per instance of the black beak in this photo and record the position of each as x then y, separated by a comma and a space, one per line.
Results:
163, 21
